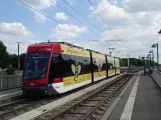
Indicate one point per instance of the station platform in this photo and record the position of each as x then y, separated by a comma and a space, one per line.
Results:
10, 95
9, 92
140, 101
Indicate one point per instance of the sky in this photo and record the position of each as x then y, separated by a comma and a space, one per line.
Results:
133, 24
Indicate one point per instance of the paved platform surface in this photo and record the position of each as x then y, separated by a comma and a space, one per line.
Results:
141, 101
6, 93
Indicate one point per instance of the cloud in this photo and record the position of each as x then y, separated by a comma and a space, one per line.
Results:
136, 22
39, 17
10, 31
141, 5
119, 16
39, 5
15, 32
71, 2
135, 40
67, 32
12, 48
61, 16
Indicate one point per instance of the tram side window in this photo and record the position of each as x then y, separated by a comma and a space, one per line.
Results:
56, 62
61, 66
55, 68
110, 64
104, 65
95, 67
86, 66
67, 61
117, 64
113, 64
70, 60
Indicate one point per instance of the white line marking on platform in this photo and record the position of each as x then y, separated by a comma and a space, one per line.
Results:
116, 101
10, 94
127, 113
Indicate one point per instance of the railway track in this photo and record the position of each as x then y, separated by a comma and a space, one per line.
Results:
90, 106
14, 109
22, 106
130, 71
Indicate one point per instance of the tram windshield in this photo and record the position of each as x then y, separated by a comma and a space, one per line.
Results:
36, 65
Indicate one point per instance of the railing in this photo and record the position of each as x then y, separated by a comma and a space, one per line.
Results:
10, 81
156, 75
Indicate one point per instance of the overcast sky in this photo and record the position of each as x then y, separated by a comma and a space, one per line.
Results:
135, 22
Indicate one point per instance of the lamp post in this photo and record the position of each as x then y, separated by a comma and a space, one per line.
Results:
18, 56
156, 46
149, 60
143, 62
128, 62
152, 57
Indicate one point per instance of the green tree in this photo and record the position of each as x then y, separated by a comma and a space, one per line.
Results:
4, 56
122, 62
13, 60
132, 61
10, 70
22, 60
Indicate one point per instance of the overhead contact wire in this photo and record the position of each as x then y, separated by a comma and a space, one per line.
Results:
73, 17
47, 16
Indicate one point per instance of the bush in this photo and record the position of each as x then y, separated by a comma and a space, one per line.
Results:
10, 71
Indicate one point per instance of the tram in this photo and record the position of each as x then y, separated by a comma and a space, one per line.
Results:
58, 67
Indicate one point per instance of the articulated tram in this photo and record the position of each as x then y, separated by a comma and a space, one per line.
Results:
57, 67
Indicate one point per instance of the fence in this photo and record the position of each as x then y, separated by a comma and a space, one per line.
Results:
10, 81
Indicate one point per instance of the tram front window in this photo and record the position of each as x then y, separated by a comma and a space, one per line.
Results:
36, 65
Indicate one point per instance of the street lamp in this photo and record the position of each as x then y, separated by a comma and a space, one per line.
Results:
128, 62
143, 62
149, 60
18, 56
156, 46
152, 56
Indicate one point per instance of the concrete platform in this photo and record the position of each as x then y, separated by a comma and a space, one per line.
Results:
10, 91
140, 101
11, 95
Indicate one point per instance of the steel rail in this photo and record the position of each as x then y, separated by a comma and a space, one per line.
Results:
70, 108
